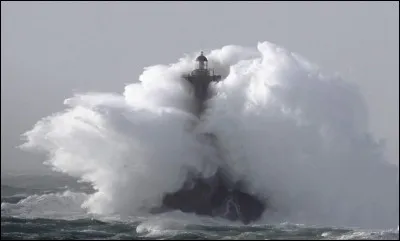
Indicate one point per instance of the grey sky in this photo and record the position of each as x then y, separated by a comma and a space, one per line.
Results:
49, 50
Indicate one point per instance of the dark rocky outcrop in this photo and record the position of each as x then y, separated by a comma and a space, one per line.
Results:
215, 197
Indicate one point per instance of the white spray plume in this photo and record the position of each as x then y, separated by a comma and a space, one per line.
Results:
296, 136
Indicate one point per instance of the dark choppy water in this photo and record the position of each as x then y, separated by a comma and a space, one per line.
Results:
39, 209
17, 228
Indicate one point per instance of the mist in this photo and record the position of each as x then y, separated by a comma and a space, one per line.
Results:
51, 50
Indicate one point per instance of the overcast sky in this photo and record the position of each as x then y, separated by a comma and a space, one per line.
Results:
49, 50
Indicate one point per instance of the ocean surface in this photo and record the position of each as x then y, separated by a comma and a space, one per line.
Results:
36, 207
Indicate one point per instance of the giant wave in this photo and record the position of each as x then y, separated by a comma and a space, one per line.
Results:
293, 135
